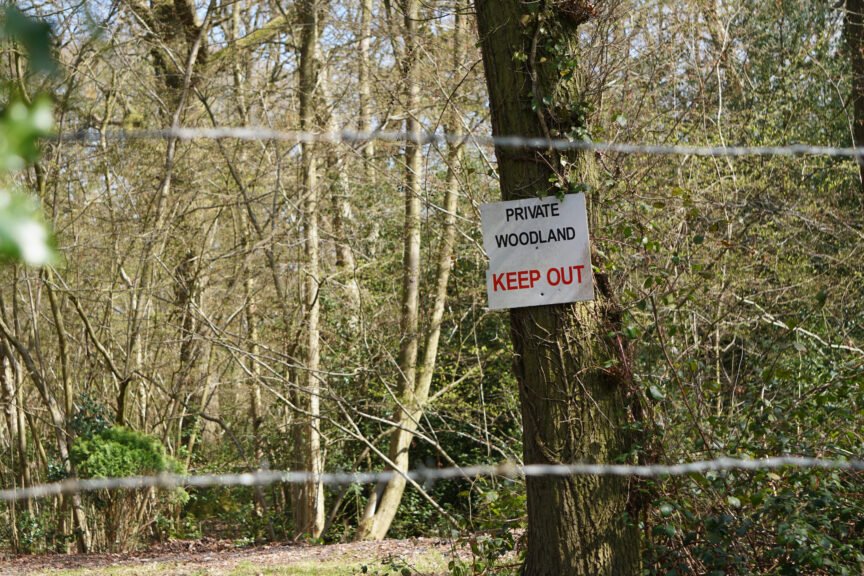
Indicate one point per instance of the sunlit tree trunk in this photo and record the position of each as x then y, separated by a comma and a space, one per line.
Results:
63, 352
58, 423
62, 347
384, 502
364, 88
342, 219
256, 416
573, 405
17, 443
309, 513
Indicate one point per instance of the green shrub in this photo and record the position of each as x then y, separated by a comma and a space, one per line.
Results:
118, 452
31, 532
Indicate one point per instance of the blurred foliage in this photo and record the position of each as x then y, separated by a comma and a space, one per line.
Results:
23, 235
33, 35
21, 126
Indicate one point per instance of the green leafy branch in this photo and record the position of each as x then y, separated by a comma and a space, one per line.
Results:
24, 236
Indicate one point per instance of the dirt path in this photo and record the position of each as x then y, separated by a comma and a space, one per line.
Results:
219, 557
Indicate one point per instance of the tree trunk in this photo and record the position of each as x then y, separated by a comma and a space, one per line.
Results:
342, 214
256, 415
62, 348
384, 500
9, 392
309, 513
364, 89
573, 408
854, 32
413, 206
414, 393
59, 424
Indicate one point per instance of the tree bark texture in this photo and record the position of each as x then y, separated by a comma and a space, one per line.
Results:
9, 394
854, 32
569, 361
309, 513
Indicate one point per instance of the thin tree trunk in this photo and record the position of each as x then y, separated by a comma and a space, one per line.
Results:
345, 262
63, 349
255, 413
256, 416
9, 400
343, 217
413, 206
573, 408
384, 501
59, 424
206, 399
364, 89
24, 474
309, 512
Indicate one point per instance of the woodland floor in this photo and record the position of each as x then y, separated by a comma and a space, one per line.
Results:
421, 556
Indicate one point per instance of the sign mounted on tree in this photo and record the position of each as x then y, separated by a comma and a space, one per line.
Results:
539, 252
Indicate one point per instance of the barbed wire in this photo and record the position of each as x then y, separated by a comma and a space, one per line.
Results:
427, 475
422, 138
507, 471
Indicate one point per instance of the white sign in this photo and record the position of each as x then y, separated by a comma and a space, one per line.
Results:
539, 252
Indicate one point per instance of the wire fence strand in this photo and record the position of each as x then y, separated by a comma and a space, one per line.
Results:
426, 475
503, 142
512, 471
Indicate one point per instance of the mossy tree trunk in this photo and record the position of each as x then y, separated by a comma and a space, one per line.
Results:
570, 362
854, 33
